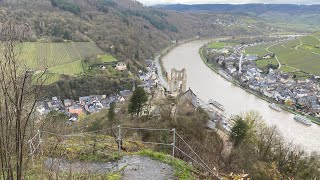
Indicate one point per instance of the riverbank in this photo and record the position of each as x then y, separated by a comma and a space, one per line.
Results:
166, 50
269, 100
158, 59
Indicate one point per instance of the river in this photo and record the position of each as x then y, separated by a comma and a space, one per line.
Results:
208, 85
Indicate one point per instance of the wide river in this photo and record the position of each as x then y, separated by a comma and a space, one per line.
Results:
209, 85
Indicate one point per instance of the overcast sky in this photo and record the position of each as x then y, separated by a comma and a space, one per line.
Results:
153, 2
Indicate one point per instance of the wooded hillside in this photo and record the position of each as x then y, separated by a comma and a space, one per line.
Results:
124, 28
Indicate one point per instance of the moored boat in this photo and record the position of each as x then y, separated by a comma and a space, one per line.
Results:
216, 104
302, 119
275, 107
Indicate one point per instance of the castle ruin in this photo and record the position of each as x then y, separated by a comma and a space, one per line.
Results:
177, 81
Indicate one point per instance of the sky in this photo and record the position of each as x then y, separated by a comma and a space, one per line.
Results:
153, 2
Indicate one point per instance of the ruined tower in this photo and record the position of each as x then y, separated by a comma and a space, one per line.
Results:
178, 81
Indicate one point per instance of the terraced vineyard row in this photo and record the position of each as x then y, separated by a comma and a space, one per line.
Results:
300, 59
38, 55
89, 49
59, 58
299, 54
260, 49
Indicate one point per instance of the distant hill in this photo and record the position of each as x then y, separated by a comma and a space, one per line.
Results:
256, 8
279, 13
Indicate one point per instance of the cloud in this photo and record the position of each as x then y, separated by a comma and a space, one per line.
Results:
153, 2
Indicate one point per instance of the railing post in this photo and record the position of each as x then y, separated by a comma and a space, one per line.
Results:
174, 141
119, 139
40, 142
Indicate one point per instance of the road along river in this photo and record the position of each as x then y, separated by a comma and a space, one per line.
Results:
209, 85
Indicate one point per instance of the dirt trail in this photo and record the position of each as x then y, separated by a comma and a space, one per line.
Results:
279, 64
133, 167
296, 48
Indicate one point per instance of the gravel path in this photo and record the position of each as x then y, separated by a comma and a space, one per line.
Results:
134, 168
144, 168
66, 166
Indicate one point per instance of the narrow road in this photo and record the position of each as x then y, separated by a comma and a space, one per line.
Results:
319, 41
280, 65
296, 48
162, 80
278, 62
315, 53
275, 55
240, 62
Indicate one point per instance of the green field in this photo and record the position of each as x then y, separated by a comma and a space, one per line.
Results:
265, 62
219, 45
317, 34
107, 58
296, 55
259, 50
301, 54
292, 44
311, 43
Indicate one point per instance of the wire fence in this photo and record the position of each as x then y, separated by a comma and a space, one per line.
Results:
119, 138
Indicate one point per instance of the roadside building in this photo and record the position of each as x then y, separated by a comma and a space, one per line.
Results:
121, 66
76, 109
251, 57
188, 102
67, 102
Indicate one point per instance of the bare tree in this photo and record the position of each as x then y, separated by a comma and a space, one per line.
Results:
18, 97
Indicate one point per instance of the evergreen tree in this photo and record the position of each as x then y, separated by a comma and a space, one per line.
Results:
239, 131
67, 35
112, 113
137, 101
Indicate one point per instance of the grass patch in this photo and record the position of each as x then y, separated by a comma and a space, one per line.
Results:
94, 148
114, 176
287, 69
219, 45
259, 50
182, 169
107, 58
263, 63
99, 157
310, 43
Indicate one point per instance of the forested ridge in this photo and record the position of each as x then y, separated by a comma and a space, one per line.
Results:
294, 14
